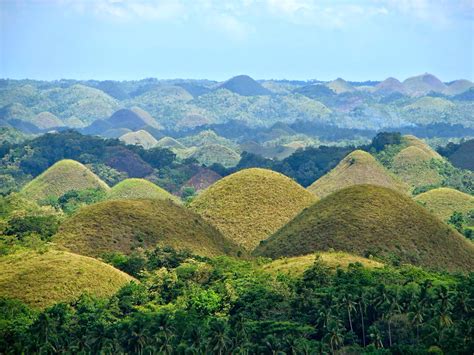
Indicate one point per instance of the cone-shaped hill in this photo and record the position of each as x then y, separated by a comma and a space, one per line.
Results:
357, 168
43, 279
169, 142
124, 225
296, 265
60, 178
250, 205
371, 220
141, 137
139, 189
244, 85
413, 163
443, 202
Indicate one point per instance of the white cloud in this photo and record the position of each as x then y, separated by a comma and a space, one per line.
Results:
233, 27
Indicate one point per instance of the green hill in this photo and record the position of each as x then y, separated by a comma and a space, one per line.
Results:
139, 189
46, 120
296, 265
141, 137
43, 279
370, 220
216, 153
340, 86
443, 202
169, 142
146, 117
357, 168
244, 85
125, 225
251, 204
60, 178
463, 156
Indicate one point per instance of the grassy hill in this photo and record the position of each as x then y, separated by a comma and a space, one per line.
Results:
358, 167
443, 202
423, 84
459, 86
216, 153
60, 178
46, 120
146, 117
43, 279
413, 166
139, 189
463, 157
413, 141
340, 86
244, 85
370, 220
141, 137
251, 204
169, 142
125, 225
389, 86
202, 179
296, 265
126, 118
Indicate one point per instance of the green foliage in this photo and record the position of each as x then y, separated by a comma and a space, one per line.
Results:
72, 200
22, 226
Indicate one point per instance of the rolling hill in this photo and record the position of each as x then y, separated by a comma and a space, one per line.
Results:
371, 220
216, 153
60, 178
443, 202
146, 117
459, 86
43, 279
251, 204
390, 86
340, 86
202, 179
244, 85
169, 142
46, 120
357, 168
125, 225
296, 265
423, 84
139, 189
463, 156
126, 118
141, 137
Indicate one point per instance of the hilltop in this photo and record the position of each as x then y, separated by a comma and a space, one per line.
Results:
141, 137
358, 167
60, 178
340, 86
423, 84
372, 220
139, 189
244, 85
216, 153
46, 120
251, 204
390, 86
296, 265
43, 279
169, 142
126, 118
443, 202
125, 225
146, 117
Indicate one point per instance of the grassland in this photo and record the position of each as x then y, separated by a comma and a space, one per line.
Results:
43, 279
141, 137
60, 178
139, 189
126, 225
216, 153
357, 168
371, 220
443, 202
298, 264
250, 205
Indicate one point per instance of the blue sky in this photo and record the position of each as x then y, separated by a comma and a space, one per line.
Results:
217, 39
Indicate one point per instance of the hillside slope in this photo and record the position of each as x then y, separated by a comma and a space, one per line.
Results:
443, 202
251, 204
60, 178
371, 220
357, 168
43, 279
125, 225
139, 189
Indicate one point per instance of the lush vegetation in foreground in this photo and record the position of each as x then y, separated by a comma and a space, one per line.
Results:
223, 306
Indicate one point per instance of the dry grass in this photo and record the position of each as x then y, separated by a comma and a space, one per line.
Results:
444, 201
370, 220
125, 225
60, 178
252, 204
357, 168
43, 279
130, 189
141, 137
298, 264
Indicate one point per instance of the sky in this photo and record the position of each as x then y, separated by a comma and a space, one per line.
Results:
357, 40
